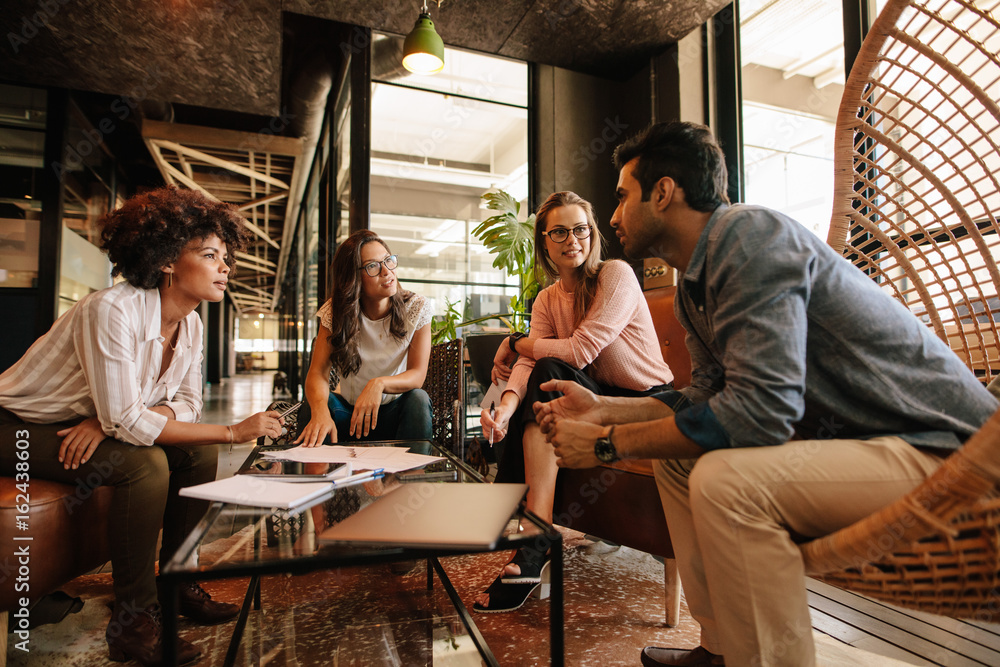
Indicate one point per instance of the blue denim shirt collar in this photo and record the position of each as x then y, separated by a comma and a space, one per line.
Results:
695, 273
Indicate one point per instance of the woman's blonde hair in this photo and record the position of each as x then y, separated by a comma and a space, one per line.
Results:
587, 273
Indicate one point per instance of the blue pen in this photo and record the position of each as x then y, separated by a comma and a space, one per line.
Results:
363, 476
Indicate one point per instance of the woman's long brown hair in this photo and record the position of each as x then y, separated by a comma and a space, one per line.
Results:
345, 297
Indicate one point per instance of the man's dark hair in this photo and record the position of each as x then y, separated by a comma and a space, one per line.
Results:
150, 230
685, 152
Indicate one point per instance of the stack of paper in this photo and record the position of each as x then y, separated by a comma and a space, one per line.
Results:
389, 459
257, 491
277, 491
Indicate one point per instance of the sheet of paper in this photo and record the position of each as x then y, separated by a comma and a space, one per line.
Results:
256, 491
389, 459
493, 394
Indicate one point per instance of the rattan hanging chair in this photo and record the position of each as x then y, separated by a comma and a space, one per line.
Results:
916, 204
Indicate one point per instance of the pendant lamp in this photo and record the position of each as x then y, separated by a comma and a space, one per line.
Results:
423, 50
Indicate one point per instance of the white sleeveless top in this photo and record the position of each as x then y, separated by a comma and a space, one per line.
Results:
381, 354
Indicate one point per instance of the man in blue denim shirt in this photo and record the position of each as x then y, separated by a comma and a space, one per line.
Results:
816, 398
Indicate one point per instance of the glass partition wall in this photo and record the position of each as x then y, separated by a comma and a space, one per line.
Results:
22, 138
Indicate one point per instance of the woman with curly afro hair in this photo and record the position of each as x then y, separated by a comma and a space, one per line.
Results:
112, 392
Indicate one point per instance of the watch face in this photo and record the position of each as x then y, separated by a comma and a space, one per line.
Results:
605, 451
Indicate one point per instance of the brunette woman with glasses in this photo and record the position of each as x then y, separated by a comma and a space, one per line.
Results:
590, 325
369, 359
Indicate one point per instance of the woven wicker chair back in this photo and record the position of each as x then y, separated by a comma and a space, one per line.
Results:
917, 184
916, 202
445, 384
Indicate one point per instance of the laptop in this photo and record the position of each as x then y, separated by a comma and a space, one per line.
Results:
428, 515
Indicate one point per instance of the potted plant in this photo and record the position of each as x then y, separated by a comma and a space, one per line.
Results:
512, 244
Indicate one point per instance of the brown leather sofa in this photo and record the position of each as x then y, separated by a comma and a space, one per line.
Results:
69, 537
619, 502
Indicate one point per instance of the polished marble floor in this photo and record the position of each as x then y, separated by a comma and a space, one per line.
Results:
374, 616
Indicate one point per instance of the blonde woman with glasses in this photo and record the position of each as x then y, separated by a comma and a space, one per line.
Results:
591, 325
370, 356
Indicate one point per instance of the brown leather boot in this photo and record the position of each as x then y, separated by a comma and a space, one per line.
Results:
198, 605
136, 634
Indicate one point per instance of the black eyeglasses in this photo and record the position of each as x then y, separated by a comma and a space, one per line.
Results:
560, 234
375, 268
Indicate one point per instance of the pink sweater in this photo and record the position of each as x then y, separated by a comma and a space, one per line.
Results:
616, 338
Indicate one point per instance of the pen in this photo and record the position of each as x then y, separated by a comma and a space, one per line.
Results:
363, 476
290, 410
493, 415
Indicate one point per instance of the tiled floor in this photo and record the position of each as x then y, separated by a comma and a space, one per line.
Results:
366, 616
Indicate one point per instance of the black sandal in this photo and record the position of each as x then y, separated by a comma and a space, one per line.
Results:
531, 562
506, 597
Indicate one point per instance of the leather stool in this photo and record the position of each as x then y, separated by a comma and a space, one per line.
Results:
69, 536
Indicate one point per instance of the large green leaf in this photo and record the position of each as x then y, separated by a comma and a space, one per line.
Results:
511, 242
503, 202
513, 245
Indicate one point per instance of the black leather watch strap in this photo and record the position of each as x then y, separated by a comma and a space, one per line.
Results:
514, 337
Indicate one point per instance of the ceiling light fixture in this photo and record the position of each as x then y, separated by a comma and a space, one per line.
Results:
423, 50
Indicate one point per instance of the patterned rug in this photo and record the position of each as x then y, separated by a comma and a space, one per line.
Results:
375, 616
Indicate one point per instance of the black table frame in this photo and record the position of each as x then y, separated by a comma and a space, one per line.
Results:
174, 574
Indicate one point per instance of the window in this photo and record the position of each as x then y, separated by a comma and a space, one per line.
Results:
792, 56
437, 144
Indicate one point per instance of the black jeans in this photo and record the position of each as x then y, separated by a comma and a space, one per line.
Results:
511, 466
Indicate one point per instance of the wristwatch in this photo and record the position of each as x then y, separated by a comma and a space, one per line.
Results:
605, 450
514, 337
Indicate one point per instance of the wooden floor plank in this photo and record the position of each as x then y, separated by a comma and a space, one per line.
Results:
989, 627
836, 628
929, 630
887, 632
988, 636
879, 647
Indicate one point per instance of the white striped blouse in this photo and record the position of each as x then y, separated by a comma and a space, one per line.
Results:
102, 358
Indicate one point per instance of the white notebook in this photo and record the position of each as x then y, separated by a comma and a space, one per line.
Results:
257, 491
430, 515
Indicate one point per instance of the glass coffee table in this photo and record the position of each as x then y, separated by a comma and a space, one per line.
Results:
258, 542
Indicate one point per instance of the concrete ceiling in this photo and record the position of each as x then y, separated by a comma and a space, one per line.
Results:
243, 67
228, 55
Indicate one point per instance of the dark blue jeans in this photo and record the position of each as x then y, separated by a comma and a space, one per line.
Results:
406, 418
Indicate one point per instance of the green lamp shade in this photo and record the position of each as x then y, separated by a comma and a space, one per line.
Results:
423, 50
